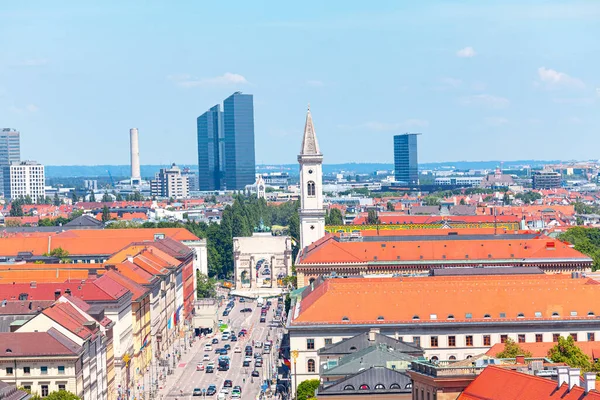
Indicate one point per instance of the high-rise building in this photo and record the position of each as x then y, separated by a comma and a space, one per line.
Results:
10, 151
226, 158
546, 180
169, 182
406, 166
26, 178
238, 125
211, 149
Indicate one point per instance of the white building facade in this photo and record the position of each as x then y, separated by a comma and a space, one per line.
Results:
27, 178
170, 183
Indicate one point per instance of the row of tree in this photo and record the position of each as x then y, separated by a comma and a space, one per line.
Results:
585, 240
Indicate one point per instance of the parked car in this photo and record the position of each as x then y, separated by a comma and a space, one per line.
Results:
211, 390
215, 341
255, 373
262, 320
206, 357
237, 349
234, 338
199, 367
197, 392
245, 310
227, 383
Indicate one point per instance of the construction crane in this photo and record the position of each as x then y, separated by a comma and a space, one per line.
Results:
112, 181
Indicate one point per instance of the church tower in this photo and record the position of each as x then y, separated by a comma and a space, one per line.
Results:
312, 214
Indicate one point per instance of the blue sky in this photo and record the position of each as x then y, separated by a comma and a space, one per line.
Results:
481, 80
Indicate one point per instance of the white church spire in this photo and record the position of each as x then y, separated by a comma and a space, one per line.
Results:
312, 214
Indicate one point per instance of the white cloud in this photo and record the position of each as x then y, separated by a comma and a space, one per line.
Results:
552, 78
28, 109
34, 62
187, 81
467, 52
496, 121
485, 100
315, 83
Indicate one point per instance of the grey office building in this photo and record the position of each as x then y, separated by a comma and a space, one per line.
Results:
406, 166
10, 151
226, 159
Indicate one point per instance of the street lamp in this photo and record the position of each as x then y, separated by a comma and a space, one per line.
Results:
294, 358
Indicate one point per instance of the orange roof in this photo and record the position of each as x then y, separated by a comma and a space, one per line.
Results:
485, 298
437, 232
496, 383
42, 275
393, 217
330, 250
540, 349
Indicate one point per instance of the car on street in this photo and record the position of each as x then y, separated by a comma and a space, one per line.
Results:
234, 338
197, 392
246, 363
227, 347
221, 351
242, 300
258, 344
209, 369
237, 349
215, 341
224, 390
262, 320
245, 310
222, 396
206, 357
227, 383
207, 347
258, 363
226, 312
255, 373
211, 390
199, 367
257, 355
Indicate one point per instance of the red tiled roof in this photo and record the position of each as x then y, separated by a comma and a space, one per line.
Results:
101, 289
136, 289
495, 383
328, 250
64, 314
36, 344
392, 217
399, 300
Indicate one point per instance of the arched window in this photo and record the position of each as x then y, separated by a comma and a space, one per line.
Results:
364, 386
434, 358
555, 314
310, 187
486, 316
394, 386
450, 316
591, 314
311, 281
408, 386
452, 358
379, 386
344, 318
352, 348
348, 387
415, 317
311, 365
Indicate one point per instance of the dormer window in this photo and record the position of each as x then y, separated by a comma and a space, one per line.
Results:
380, 318
555, 314
344, 318
573, 313
450, 316
538, 314
520, 315
487, 316
468, 315
591, 314
415, 317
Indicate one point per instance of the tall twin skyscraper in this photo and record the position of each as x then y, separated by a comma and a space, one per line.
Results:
10, 152
226, 159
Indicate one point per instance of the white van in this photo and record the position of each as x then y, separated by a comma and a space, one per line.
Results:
208, 347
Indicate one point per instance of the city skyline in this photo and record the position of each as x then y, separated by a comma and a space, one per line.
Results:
526, 90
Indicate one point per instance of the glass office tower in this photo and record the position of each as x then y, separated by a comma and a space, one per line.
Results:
10, 151
406, 167
238, 126
210, 149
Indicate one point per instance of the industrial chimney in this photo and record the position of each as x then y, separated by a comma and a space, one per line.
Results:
136, 178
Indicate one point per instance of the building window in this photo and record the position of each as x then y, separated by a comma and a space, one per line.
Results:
328, 341
555, 337
9, 371
539, 338
591, 336
487, 340
311, 365
62, 387
44, 390
469, 340
26, 370
310, 344
27, 387
434, 341
574, 336
310, 186
503, 338
417, 340
61, 369
521, 338
44, 370
451, 341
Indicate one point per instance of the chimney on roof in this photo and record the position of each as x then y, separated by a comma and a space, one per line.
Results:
574, 377
589, 381
91, 325
372, 333
563, 375
130, 259
520, 359
57, 294
68, 291
33, 284
92, 274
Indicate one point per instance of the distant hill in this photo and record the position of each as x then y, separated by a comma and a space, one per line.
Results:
148, 171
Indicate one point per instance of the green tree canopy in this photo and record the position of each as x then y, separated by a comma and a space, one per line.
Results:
105, 214
390, 206
372, 217
334, 217
528, 197
16, 208
567, 351
306, 390
431, 201
56, 201
512, 349
206, 286
62, 395
106, 198
92, 196
585, 240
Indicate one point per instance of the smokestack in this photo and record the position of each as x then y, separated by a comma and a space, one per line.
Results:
136, 178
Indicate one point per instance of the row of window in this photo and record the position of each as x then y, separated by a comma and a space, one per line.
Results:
43, 370
45, 389
379, 386
537, 314
487, 341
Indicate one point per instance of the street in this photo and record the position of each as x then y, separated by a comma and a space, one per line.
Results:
186, 378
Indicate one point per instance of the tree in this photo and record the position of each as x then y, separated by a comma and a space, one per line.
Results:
506, 199
334, 217
119, 197
431, 201
462, 202
206, 286
306, 390
390, 206
62, 395
106, 198
74, 198
567, 351
105, 214
59, 253
585, 240
76, 213
27, 200
92, 197
57, 201
512, 349
372, 217
16, 208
